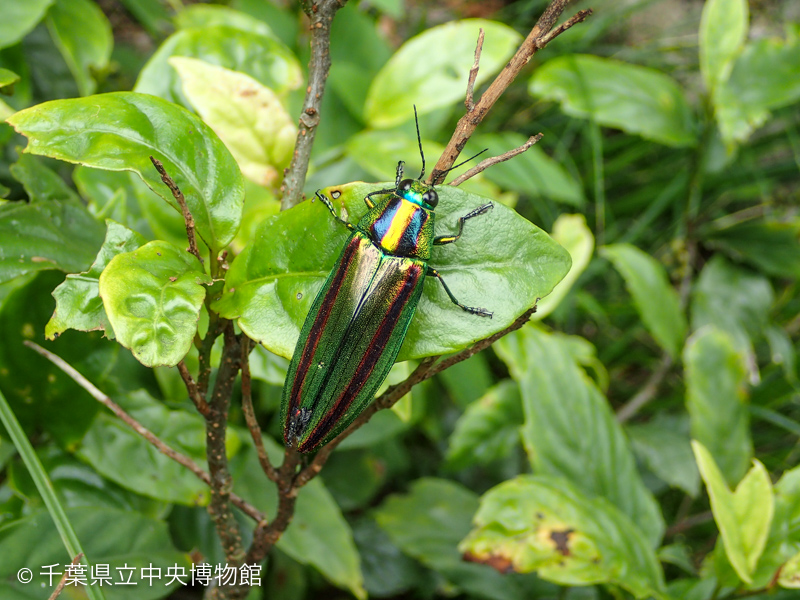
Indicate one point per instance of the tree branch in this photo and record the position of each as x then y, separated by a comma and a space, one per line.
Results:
648, 391
179, 458
188, 219
63, 581
488, 162
194, 394
541, 34
250, 415
473, 73
321, 14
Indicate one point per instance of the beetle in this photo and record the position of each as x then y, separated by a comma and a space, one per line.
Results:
357, 323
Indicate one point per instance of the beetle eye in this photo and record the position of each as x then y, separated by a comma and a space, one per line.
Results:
405, 185
431, 198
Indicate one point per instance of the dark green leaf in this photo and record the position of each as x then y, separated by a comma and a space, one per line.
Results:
78, 303
635, 99
119, 131
428, 524
152, 297
504, 264
430, 69
570, 430
546, 524
770, 246
82, 34
654, 297
387, 571
716, 396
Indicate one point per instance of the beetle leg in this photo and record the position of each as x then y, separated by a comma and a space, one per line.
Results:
449, 239
399, 177
368, 198
324, 199
481, 312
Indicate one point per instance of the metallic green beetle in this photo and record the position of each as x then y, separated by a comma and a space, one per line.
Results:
353, 333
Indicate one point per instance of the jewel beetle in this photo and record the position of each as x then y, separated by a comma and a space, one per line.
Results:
357, 323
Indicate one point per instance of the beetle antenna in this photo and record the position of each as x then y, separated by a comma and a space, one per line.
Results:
419, 141
465, 162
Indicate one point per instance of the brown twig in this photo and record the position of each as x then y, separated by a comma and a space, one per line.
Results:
689, 522
63, 581
540, 35
321, 14
216, 453
648, 391
488, 162
250, 414
194, 394
188, 219
425, 370
181, 459
473, 73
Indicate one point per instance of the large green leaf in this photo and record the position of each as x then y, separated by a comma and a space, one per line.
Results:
111, 447
124, 540
429, 522
766, 76
83, 36
53, 231
17, 19
546, 524
570, 430
571, 232
744, 515
78, 302
716, 395
152, 297
502, 262
654, 297
431, 69
723, 32
119, 131
319, 535
246, 48
246, 116
635, 99
533, 172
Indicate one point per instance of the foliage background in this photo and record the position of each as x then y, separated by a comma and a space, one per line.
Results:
671, 145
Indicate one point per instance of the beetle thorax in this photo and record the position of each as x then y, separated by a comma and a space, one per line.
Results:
403, 228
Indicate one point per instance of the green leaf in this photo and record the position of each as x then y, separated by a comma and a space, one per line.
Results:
663, 445
723, 32
766, 76
743, 516
716, 396
7, 80
737, 301
249, 50
119, 131
152, 297
546, 524
769, 245
124, 540
654, 297
637, 100
17, 19
428, 523
112, 447
532, 172
83, 35
431, 69
53, 231
558, 400
246, 116
489, 428
319, 535
572, 233
209, 15
78, 302
272, 283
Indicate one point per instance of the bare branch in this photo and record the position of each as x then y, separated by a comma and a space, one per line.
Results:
578, 17
188, 219
648, 391
250, 415
539, 36
321, 14
488, 162
194, 394
473, 73
181, 459
63, 581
